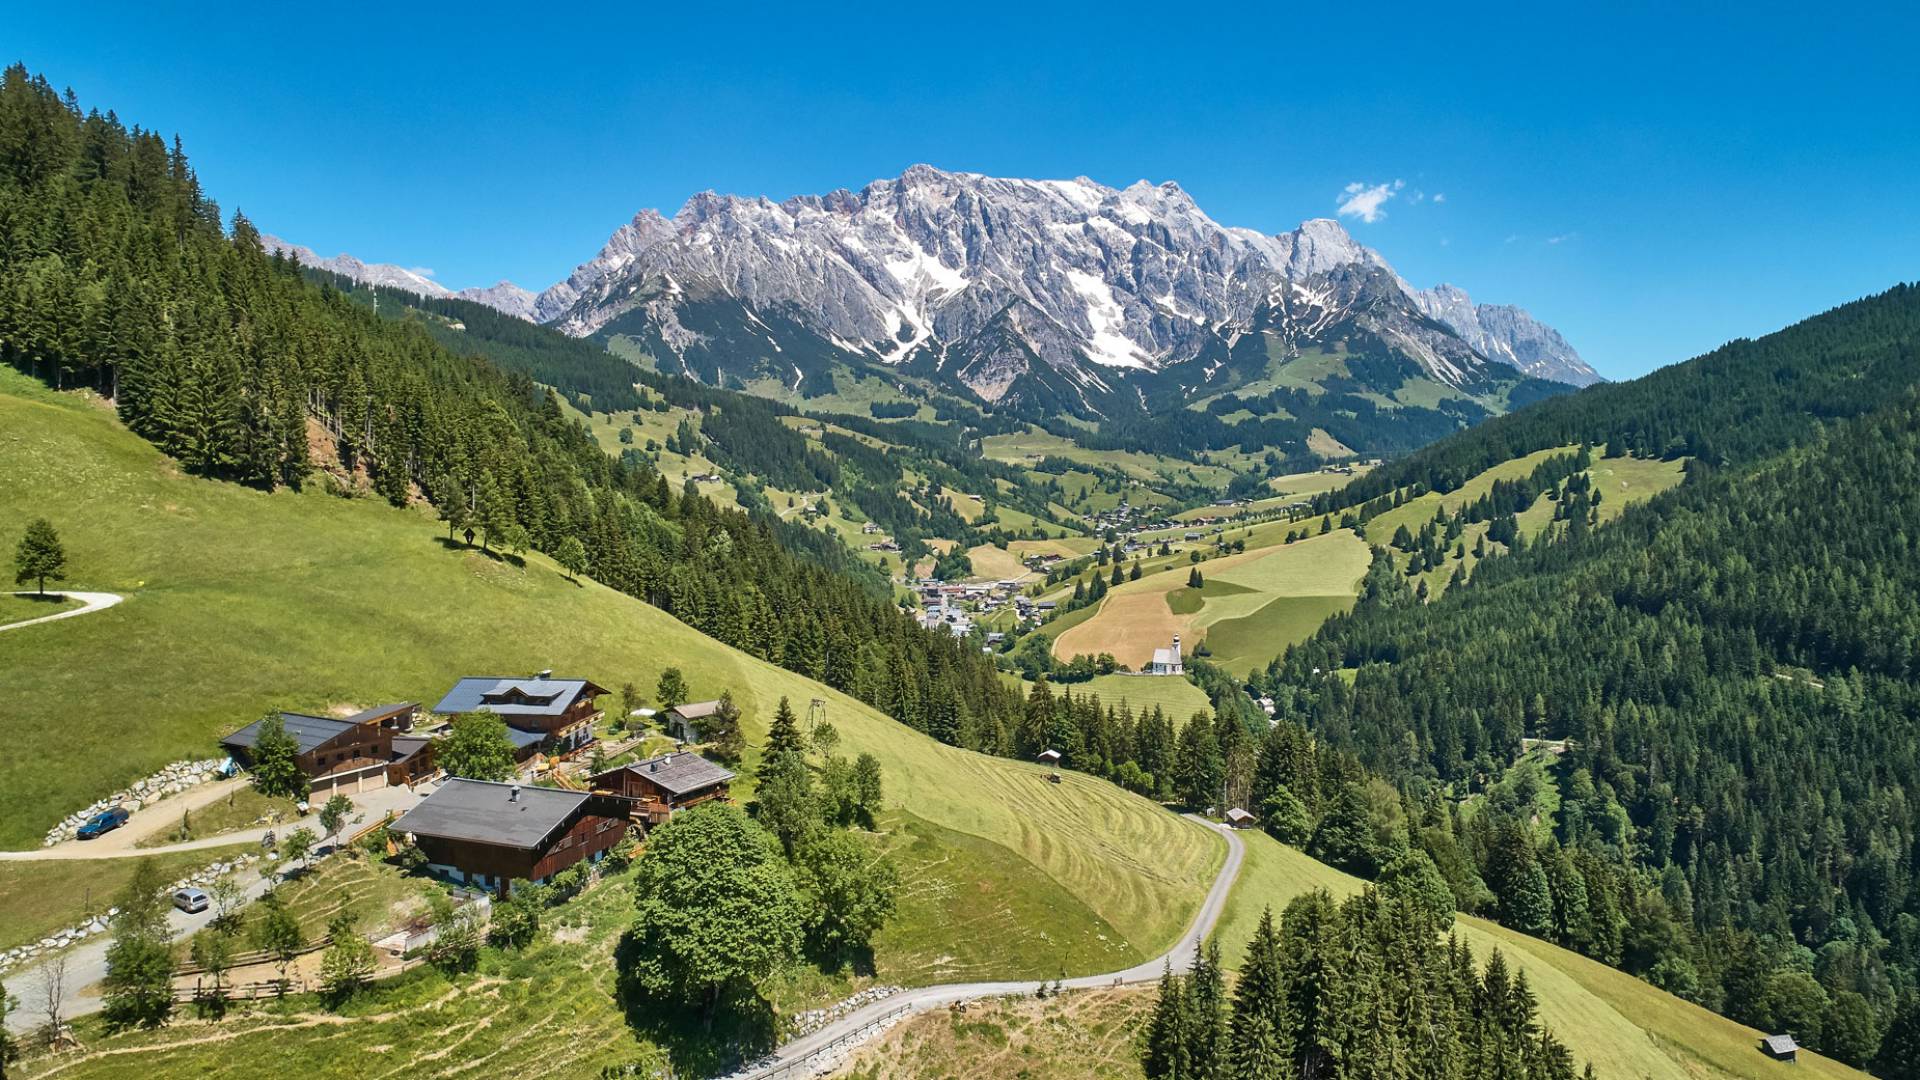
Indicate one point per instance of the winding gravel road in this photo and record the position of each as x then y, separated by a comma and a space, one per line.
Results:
90, 602
920, 999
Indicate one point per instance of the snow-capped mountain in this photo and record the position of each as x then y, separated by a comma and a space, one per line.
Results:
505, 296
989, 281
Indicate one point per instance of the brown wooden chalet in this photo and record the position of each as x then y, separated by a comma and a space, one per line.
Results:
362, 752
490, 835
544, 715
658, 786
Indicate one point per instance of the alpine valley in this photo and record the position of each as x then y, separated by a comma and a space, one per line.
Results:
1001, 628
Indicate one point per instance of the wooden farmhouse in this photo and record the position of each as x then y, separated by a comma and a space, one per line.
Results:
544, 715
659, 786
362, 752
489, 835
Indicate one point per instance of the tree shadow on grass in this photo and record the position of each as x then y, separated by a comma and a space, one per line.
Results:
475, 549
741, 1027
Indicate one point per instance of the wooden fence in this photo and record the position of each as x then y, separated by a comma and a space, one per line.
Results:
258, 956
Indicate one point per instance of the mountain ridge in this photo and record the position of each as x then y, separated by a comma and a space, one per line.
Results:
908, 270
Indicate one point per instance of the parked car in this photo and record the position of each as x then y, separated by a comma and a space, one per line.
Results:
191, 901
103, 823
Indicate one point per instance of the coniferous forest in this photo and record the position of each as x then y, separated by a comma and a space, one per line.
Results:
1735, 670
1369, 989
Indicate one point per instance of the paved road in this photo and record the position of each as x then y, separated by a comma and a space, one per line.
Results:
923, 998
90, 602
87, 961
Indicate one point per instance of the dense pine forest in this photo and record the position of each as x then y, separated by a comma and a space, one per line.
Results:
117, 273
1735, 670
1368, 989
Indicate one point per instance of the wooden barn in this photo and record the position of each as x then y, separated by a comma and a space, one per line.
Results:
362, 752
490, 835
659, 786
1781, 1048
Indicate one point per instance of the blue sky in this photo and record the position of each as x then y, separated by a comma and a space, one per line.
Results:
1651, 180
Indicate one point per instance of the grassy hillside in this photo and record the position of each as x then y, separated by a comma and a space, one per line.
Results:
1627, 1028
240, 600
1261, 601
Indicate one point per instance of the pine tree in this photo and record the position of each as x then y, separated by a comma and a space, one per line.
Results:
783, 734
1260, 1027
1165, 1053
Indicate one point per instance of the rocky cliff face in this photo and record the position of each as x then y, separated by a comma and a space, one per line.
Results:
983, 277
1509, 335
1055, 291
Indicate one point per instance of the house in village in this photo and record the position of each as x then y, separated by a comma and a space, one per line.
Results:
659, 786
368, 750
543, 714
1167, 661
488, 834
683, 720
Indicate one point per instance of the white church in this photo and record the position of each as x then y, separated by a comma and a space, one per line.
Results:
1166, 661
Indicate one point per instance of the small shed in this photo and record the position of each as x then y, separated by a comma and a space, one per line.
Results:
1781, 1048
1239, 818
1049, 757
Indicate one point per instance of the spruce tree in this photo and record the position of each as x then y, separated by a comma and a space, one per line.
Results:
1260, 1027
39, 556
783, 734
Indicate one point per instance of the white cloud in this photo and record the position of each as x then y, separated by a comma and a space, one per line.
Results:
1365, 201
1439, 196
1561, 239
423, 271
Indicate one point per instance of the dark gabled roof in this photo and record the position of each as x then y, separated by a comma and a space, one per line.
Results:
1781, 1044
680, 772
515, 697
523, 739
484, 812
405, 746
307, 731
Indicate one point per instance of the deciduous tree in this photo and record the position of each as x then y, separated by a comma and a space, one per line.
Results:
476, 747
717, 909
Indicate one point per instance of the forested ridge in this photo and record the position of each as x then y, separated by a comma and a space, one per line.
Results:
1742, 401
1735, 668
116, 273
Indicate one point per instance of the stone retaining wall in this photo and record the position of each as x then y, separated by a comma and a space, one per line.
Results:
100, 924
171, 780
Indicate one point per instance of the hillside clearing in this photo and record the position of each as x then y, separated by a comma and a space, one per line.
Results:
249, 600
1138, 616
